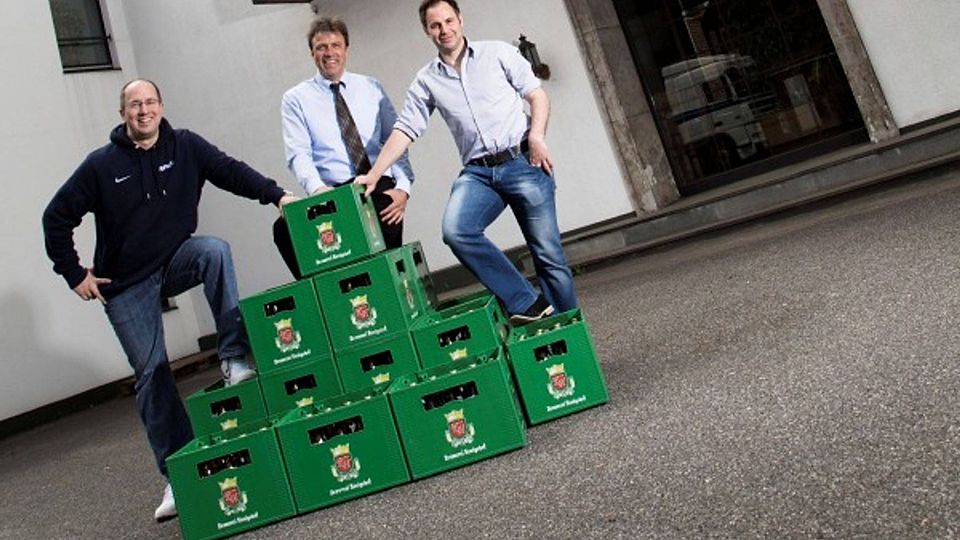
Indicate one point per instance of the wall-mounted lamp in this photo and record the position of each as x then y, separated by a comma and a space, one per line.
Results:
529, 51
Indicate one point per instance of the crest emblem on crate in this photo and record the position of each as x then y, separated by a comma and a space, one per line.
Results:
560, 385
345, 466
232, 500
329, 239
288, 338
381, 378
459, 431
363, 314
458, 354
229, 423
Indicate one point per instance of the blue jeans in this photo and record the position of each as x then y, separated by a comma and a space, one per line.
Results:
477, 198
136, 317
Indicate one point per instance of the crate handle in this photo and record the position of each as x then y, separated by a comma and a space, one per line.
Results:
557, 348
461, 333
279, 305
417, 257
401, 267
322, 209
233, 460
231, 404
374, 361
321, 434
301, 383
458, 392
355, 282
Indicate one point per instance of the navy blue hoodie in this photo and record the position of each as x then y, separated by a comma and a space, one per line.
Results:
144, 202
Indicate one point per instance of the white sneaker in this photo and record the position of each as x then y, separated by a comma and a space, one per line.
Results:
168, 508
236, 371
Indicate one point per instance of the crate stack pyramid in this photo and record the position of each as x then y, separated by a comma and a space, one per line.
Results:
366, 382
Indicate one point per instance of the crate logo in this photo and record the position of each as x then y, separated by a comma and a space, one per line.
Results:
560, 385
363, 315
232, 500
305, 402
329, 238
230, 423
381, 378
288, 339
459, 432
458, 354
344, 467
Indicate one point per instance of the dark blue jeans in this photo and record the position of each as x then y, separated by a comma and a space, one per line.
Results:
137, 320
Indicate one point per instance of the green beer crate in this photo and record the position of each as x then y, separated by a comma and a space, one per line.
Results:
333, 228
463, 330
343, 449
369, 299
455, 414
377, 362
300, 385
219, 408
285, 326
555, 367
427, 293
231, 482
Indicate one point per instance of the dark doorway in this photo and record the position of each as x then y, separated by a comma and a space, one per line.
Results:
739, 87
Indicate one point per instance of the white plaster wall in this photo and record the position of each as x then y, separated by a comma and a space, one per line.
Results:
913, 47
53, 344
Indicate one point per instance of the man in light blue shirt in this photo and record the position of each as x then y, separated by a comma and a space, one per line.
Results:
480, 87
316, 147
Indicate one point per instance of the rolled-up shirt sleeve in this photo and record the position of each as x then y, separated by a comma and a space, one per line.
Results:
417, 108
517, 70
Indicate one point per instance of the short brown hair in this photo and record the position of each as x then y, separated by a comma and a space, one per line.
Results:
427, 4
328, 24
123, 91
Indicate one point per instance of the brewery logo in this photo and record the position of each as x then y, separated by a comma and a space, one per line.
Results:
459, 432
381, 378
232, 500
560, 386
458, 354
329, 238
363, 315
288, 339
228, 424
344, 467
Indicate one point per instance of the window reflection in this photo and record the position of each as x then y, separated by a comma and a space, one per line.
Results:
739, 87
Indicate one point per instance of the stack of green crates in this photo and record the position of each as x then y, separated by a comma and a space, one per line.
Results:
289, 342
365, 381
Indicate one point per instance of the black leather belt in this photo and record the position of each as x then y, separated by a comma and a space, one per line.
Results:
492, 160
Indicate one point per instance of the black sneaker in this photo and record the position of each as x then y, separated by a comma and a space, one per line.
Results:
540, 309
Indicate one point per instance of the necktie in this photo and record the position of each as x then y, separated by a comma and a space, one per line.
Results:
351, 137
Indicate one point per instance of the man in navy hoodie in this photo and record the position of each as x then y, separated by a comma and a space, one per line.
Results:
143, 189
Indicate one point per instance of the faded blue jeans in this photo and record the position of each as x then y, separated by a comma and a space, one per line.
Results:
477, 198
136, 317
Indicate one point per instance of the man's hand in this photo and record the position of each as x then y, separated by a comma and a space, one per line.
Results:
370, 183
393, 214
322, 189
89, 288
540, 155
285, 200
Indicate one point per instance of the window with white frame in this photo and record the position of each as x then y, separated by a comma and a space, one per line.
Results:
82, 35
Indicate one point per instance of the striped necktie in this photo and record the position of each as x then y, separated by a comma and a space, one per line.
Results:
351, 137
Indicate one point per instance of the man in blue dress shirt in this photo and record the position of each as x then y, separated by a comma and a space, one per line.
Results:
317, 148
480, 87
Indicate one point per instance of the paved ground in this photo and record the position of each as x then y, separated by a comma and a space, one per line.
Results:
796, 377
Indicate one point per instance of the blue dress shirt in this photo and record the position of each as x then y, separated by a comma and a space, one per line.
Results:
483, 105
313, 144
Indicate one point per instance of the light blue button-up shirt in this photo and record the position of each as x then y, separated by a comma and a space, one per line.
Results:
313, 144
482, 105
